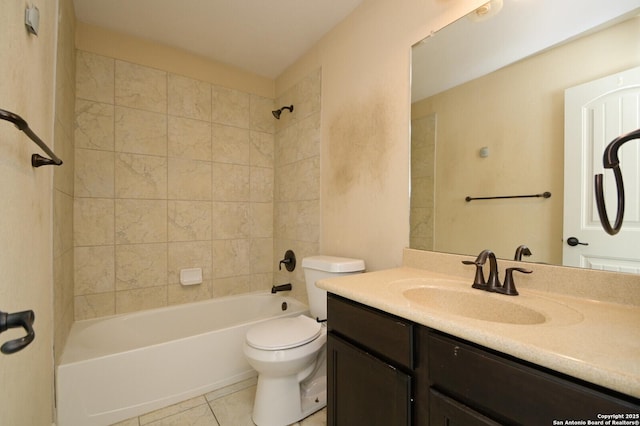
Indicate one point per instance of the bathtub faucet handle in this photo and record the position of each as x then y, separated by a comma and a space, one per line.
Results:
289, 261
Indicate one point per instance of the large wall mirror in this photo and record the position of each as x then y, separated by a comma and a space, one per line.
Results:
488, 119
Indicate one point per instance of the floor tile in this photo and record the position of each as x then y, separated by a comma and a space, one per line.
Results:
171, 410
235, 409
196, 416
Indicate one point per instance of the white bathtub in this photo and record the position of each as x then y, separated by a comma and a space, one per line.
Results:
122, 366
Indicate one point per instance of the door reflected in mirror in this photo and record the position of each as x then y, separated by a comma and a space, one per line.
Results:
494, 125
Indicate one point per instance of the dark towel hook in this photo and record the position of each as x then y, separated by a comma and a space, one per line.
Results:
37, 160
610, 160
22, 319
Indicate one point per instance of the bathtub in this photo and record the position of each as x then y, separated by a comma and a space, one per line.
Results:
122, 366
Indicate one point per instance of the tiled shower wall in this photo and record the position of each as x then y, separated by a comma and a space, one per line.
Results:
297, 179
170, 173
423, 146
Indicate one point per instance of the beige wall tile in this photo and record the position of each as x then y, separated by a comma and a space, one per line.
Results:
94, 270
189, 179
230, 107
231, 258
183, 175
261, 118
140, 299
94, 305
189, 98
262, 149
140, 87
230, 182
141, 265
95, 77
261, 255
94, 173
140, 221
230, 144
94, 125
262, 282
299, 180
141, 176
178, 294
308, 136
230, 220
261, 220
192, 254
140, 132
307, 94
189, 139
189, 220
261, 184
308, 220
228, 286
93, 221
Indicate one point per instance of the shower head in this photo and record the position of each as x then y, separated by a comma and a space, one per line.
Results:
277, 112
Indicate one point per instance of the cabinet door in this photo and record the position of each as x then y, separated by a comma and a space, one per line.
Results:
444, 411
363, 390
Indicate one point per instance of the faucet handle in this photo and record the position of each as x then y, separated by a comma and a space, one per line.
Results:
509, 287
478, 281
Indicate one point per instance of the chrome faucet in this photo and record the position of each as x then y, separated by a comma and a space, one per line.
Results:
521, 251
493, 283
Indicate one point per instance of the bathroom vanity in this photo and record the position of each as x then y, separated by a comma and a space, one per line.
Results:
394, 359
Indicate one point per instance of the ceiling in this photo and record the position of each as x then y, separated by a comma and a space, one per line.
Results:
263, 37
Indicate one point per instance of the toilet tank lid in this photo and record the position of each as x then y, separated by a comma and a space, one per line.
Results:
333, 264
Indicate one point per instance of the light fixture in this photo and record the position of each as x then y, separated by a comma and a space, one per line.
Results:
486, 11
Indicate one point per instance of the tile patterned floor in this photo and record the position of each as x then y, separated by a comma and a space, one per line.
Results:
230, 406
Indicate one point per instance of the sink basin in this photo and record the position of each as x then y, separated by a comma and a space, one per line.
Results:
476, 304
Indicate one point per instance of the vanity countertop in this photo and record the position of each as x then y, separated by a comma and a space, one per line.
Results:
599, 341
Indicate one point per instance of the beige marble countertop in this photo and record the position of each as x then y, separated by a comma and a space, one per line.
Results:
596, 341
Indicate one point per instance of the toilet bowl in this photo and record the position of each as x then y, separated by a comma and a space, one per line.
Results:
289, 354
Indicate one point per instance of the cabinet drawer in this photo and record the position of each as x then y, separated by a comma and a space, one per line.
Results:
511, 392
383, 334
444, 411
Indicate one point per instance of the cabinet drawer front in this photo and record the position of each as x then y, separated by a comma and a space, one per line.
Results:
511, 392
444, 411
385, 335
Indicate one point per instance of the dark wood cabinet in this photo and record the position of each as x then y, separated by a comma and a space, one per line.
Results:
445, 411
508, 390
386, 370
370, 358
364, 390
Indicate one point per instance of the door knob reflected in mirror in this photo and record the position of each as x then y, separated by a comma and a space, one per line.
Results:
573, 241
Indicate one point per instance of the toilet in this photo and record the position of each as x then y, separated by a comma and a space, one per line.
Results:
289, 354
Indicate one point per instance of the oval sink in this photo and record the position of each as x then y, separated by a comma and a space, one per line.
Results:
474, 304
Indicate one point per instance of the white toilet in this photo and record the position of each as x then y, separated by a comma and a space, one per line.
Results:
289, 354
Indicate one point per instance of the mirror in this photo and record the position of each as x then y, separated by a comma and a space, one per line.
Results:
487, 119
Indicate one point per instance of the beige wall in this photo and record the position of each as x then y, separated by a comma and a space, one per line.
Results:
27, 88
364, 185
108, 43
63, 177
524, 131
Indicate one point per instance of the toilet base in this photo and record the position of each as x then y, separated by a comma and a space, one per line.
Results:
282, 401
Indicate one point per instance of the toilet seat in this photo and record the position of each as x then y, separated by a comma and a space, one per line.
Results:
283, 333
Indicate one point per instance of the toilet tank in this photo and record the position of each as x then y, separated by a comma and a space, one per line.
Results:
321, 267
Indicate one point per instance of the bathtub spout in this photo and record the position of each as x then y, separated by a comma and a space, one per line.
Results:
283, 287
